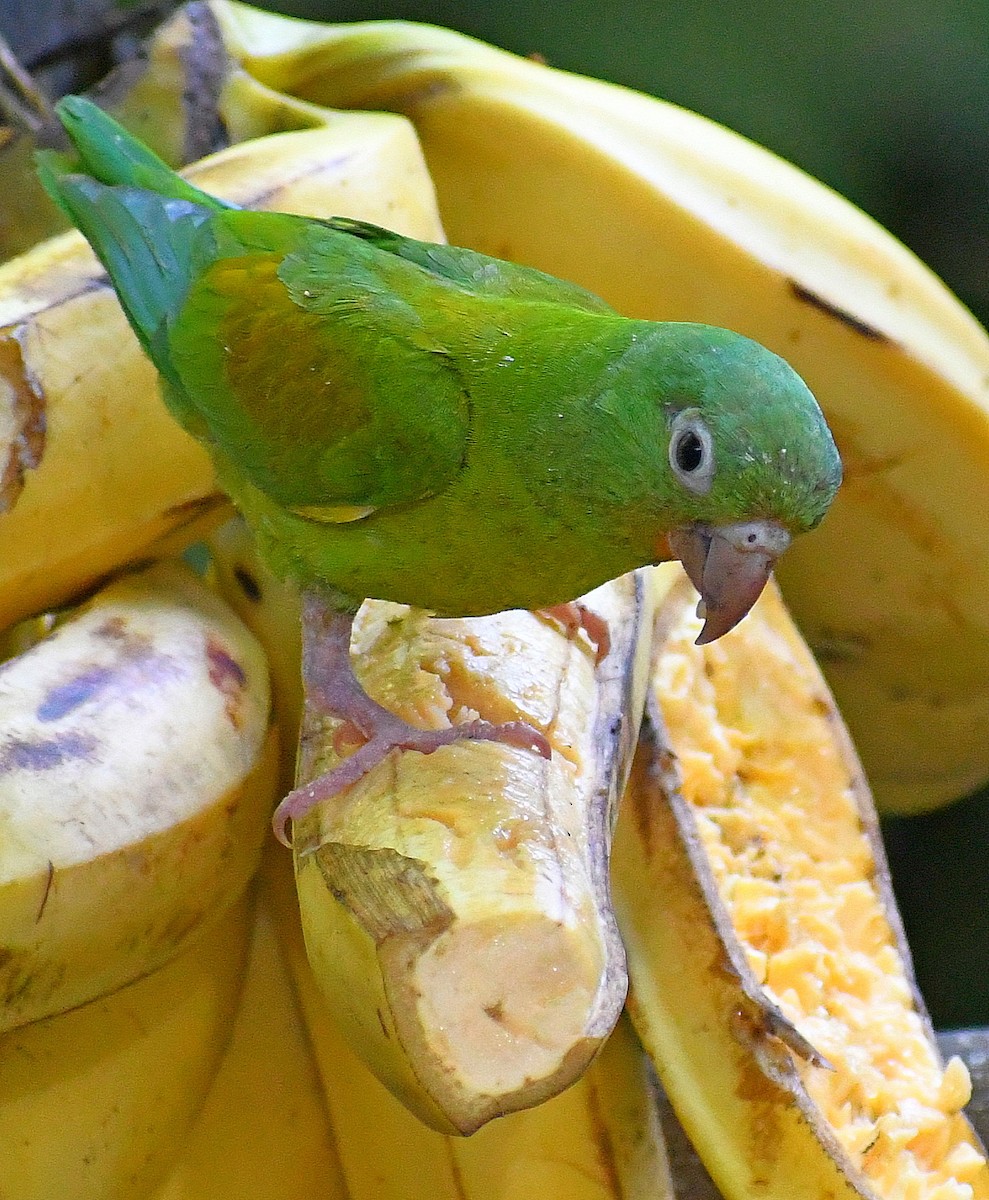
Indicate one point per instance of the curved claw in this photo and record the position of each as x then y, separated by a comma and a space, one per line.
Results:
729, 565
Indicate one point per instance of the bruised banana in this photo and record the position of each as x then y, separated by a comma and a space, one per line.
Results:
263, 1132
138, 772
97, 1103
94, 473
774, 926
599, 1140
667, 215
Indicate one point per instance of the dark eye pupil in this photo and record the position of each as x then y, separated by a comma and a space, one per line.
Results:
689, 451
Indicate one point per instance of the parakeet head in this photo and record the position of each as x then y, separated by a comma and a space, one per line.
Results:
743, 435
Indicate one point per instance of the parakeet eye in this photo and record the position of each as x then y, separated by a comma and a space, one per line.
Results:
691, 451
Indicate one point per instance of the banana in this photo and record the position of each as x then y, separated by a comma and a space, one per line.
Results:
94, 473
599, 1140
667, 215
96, 1104
137, 777
771, 982
263, 1132
456, 906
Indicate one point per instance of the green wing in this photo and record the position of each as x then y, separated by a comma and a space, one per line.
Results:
474, 273
311, 364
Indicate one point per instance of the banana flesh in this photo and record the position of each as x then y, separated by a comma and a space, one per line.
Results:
667, 215
770, 981
599, 1140
96, 1103
456, 905
94, 472
137, 776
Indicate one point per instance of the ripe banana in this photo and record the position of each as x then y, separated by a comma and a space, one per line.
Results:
774, 927
94, 473
599, 1140
137, 777
263, 1132
456, 906
96, 1103
667, 215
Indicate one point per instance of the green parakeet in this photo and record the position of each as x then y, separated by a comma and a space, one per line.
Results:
425, 424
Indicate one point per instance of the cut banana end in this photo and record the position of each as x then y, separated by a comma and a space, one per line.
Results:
599, 1140
137, 776
456, 905
772, 926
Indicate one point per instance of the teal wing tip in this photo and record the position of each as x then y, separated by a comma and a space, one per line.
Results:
107, 152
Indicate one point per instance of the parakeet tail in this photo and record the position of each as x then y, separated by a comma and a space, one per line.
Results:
138, 215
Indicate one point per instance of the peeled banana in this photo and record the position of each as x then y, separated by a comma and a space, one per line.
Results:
456, 906
667, 215
770, 979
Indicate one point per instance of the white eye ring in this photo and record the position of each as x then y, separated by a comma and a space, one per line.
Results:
691, 451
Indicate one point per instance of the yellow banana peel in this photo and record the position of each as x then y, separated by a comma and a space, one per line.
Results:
137, 775
263, 1132
97, 1103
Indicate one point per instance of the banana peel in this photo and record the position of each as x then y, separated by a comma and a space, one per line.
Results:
94, 472
96, 1103
138, 770
770, 980
263, 1132
669, 216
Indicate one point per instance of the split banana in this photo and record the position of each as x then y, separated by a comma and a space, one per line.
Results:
96, 1103
137, 778
94, 473
599, 1140
667, 215
774, 929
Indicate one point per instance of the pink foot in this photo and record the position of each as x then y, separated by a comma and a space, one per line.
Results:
574, 617
331, 686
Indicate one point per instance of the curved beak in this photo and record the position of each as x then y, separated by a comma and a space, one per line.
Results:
729, 566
